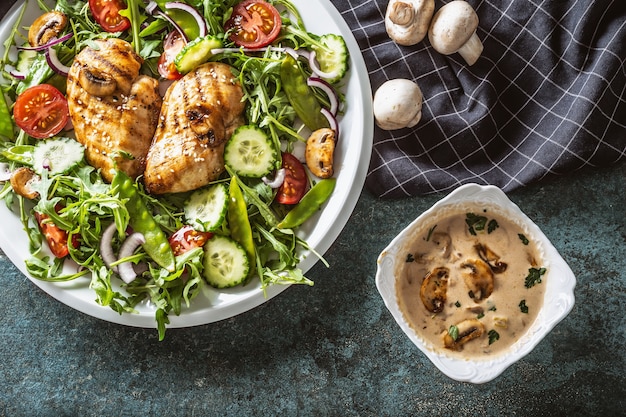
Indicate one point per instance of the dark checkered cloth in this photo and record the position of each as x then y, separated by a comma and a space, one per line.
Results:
546, 97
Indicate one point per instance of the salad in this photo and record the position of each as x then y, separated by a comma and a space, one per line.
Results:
135, 246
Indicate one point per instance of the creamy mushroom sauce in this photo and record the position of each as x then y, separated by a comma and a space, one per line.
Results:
446, 245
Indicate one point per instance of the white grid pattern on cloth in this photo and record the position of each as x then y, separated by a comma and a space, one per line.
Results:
546, 97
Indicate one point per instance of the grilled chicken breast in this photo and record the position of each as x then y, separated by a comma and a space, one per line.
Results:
199, 114
113, 108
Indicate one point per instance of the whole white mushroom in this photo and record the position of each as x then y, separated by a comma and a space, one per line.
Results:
453, 29
398, 104
407, 21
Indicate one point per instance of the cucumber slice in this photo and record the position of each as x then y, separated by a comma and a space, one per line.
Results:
196, 53
226, 263
57, 156
250, 152
25, 58
206, 208
333, 57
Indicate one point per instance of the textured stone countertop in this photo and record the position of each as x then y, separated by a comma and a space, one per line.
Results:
333, 349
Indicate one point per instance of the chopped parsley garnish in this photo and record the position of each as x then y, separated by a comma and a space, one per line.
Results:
523, 238
534, 276
492, 225
480, 315
523, 307
457, 304
410, 258
493, 336
477, 223
453, 331
492, 308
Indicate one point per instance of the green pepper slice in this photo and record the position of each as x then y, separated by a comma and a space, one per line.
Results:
300, 96
310, 203
6, 123
183, 19
238, 221
142, 221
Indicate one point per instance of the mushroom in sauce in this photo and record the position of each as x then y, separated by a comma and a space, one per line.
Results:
434, 288
478, 277
464, 331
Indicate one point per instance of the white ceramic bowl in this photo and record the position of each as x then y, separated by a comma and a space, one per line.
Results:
558, 298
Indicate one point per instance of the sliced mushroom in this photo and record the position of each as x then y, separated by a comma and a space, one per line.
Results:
489, 256
443, 242
478, 278
46, 27
398, 104
433, 291
407, 21
96, 84
22, 181
466, 331
319, 152
453, 29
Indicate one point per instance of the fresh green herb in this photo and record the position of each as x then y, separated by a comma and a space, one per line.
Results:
457, 304
492, 225
430, 233
475, 223
493, 336
410, 258
522, 306
492, 308
453, 331
523, 239
534, 276
480, 315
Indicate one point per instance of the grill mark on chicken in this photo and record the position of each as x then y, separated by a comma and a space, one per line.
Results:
199, 114
116, 116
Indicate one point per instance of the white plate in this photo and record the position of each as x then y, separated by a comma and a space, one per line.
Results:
558, 298
352, 160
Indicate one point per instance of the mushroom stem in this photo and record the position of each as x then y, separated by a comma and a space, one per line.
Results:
471, 50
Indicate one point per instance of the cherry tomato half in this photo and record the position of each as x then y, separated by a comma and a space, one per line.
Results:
295, 183
107, 14
55, 236
41, 111
253, 24
172, 45
187, 238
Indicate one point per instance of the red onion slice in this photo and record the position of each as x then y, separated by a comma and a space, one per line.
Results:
328, 89
53, 42
278, 180
106, 247
332, 120
125, 269
56, 65
13, 72
176, 5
